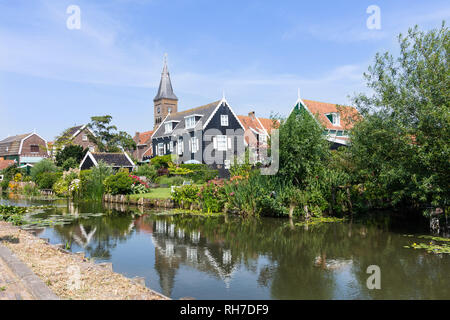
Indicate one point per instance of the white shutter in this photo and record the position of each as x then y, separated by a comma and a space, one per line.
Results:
190, 144
164, 148
215, 142
229, 143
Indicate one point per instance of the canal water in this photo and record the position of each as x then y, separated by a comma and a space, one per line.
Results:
235, 258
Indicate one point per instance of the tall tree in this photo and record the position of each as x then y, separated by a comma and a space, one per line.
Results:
302, 147
402, 148
106, 136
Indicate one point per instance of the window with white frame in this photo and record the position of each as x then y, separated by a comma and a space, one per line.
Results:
168, 127
334, 118
221, 143
85, 137
224, 120
194, 144
161, 149
180, 146
190, 122
263, 139
171, 146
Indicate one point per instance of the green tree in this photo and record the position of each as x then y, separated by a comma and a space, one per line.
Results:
401, 148
106, 136
70, 151
303, 148
45, 165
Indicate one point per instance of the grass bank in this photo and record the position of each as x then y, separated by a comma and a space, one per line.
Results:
157, 193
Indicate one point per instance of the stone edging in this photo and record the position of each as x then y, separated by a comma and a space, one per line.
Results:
31, 281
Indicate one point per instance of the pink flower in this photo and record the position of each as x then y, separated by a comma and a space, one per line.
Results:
232, 194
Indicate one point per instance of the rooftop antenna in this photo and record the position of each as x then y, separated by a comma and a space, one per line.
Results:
223, 94
298, 93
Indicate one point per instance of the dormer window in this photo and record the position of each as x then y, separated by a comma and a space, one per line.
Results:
190, 122
334, 118
168, 127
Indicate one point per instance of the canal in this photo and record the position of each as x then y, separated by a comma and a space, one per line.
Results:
234, 258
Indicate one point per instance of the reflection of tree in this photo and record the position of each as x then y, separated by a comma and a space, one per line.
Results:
296, 263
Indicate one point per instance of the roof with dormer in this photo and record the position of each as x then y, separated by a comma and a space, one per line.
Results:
203, 112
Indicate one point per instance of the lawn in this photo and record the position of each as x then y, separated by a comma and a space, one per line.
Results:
157, 193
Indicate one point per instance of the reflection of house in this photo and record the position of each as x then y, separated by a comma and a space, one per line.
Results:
144, 149
25, 149
115, 160
257, 134
338, 120
174, 246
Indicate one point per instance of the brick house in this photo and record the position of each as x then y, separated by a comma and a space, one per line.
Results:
25, 149
338, 120
78, 135
144, 149
257, 134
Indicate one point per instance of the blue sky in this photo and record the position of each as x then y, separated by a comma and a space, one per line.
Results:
258, 52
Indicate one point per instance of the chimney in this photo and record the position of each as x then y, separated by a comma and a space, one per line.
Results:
251, 114
137, 137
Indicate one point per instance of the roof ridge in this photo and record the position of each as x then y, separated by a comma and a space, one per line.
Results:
195, 108
336, 104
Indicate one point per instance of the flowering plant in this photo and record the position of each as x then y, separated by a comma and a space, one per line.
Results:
138, 185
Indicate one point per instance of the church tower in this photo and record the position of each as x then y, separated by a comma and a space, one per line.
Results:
165, 101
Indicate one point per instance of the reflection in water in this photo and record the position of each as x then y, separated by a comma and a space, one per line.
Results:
228, 257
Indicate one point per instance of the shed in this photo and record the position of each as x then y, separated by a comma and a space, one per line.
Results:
115, 160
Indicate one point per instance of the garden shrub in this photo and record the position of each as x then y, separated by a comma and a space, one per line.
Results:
46, 180
148, 171
186, 195
120, 183
45, 165
161, 161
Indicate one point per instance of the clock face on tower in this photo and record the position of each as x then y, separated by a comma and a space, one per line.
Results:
159, 110
169, 109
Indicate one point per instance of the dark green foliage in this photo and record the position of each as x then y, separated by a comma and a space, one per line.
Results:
120, 183
106, 136
74, 152
42, 166
201, 172
148, 171
161, 161
401, 149
92, 181
70, 163
45, 180
303, 148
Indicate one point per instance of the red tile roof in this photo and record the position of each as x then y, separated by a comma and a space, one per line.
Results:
6, 163
144, 137
347, 114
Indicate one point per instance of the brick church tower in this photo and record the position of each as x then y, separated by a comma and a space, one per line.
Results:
165, 101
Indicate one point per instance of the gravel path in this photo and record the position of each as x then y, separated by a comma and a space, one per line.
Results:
69, 276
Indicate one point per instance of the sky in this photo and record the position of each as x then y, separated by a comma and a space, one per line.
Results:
257, 53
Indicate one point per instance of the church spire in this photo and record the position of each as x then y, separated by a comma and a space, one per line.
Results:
165, 90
